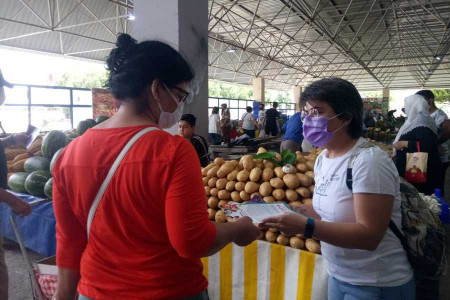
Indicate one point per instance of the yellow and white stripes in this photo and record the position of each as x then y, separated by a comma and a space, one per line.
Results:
263, 271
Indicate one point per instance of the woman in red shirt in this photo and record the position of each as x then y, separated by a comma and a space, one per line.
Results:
151, 227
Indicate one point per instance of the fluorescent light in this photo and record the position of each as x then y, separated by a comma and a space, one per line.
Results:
231, 50
437, 57
286, 68
131, 17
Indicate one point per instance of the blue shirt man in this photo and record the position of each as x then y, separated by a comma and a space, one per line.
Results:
293, 137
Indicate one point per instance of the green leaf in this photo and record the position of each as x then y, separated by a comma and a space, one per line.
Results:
265, 155
274, 161
285, 153
290, 159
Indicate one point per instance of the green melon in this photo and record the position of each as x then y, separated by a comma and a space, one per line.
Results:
53, 141
101, 119
16, 182
36, 163
55, 157
35, 182
48, 188
82, 127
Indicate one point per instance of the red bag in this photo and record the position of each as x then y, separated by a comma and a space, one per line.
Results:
416, 166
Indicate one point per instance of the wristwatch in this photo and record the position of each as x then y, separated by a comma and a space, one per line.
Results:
309, 229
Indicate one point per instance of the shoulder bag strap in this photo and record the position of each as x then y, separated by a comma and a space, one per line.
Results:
110, 174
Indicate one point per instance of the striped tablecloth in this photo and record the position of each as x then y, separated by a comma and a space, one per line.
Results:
263, 271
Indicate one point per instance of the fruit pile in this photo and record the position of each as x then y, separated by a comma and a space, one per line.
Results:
30, 170
272, 179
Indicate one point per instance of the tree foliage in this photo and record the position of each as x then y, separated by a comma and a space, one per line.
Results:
88, 80
441, 96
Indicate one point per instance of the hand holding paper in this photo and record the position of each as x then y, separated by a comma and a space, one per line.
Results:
288, 223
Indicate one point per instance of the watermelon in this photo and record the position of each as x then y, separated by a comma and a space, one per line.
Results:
92, 122
37, 163
101, 119
72, 135
53, 141
55, 157
48, 188
82, 127
16, 182
35, 182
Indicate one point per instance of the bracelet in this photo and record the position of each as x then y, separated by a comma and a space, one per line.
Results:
309, 229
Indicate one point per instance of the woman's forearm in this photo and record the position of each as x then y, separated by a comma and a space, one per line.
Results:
347, 235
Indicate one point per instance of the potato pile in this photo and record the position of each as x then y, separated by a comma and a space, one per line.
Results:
240, 181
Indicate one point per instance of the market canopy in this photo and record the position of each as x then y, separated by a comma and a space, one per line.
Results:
372, 43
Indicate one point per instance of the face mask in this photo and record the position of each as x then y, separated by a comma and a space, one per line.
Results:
167, 119
315, 130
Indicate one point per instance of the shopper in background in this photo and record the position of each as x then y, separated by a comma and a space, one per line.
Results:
225, 123
272, 124
293, 136
214, 127
261, 121
186, 129
248, 123
19, 206
3, 83
151, 226
443, 130
365, 260
420, 128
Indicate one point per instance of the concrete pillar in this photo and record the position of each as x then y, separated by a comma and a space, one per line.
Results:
386, 92
297, 93
183, 25
259, 89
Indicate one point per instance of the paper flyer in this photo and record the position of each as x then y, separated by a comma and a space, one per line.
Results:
256, 211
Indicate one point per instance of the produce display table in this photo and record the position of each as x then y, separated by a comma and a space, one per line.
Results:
272, 142
37, 229
265, 271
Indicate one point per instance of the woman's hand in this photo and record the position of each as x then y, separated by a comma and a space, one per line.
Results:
400, 145
287, 223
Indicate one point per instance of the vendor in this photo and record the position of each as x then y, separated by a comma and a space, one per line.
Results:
365, 260
19, 206
151, 226
186, 129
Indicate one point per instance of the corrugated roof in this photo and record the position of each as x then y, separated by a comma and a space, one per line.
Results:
373, 43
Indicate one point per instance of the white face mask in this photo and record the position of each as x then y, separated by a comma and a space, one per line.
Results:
167, 119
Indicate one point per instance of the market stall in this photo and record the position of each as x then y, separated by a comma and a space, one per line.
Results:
37, 229
265, 271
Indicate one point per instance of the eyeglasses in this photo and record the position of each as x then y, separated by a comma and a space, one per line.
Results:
184, 97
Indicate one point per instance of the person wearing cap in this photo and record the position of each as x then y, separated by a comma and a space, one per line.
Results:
225, 123
186, 129
19, 206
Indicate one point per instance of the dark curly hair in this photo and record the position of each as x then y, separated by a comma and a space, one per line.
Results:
342, 96
133, 66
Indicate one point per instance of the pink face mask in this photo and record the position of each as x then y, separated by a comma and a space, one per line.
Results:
315, 130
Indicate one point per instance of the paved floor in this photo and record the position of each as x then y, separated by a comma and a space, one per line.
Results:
20, 288
19, 281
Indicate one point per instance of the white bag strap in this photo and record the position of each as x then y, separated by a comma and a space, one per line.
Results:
110, 174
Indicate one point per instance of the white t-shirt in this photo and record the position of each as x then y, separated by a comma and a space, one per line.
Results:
248, 121
261, 117
374, 173
212, 126
444, 150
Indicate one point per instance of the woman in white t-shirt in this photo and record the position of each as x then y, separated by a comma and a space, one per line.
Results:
214, 127
248, 123
365, 259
